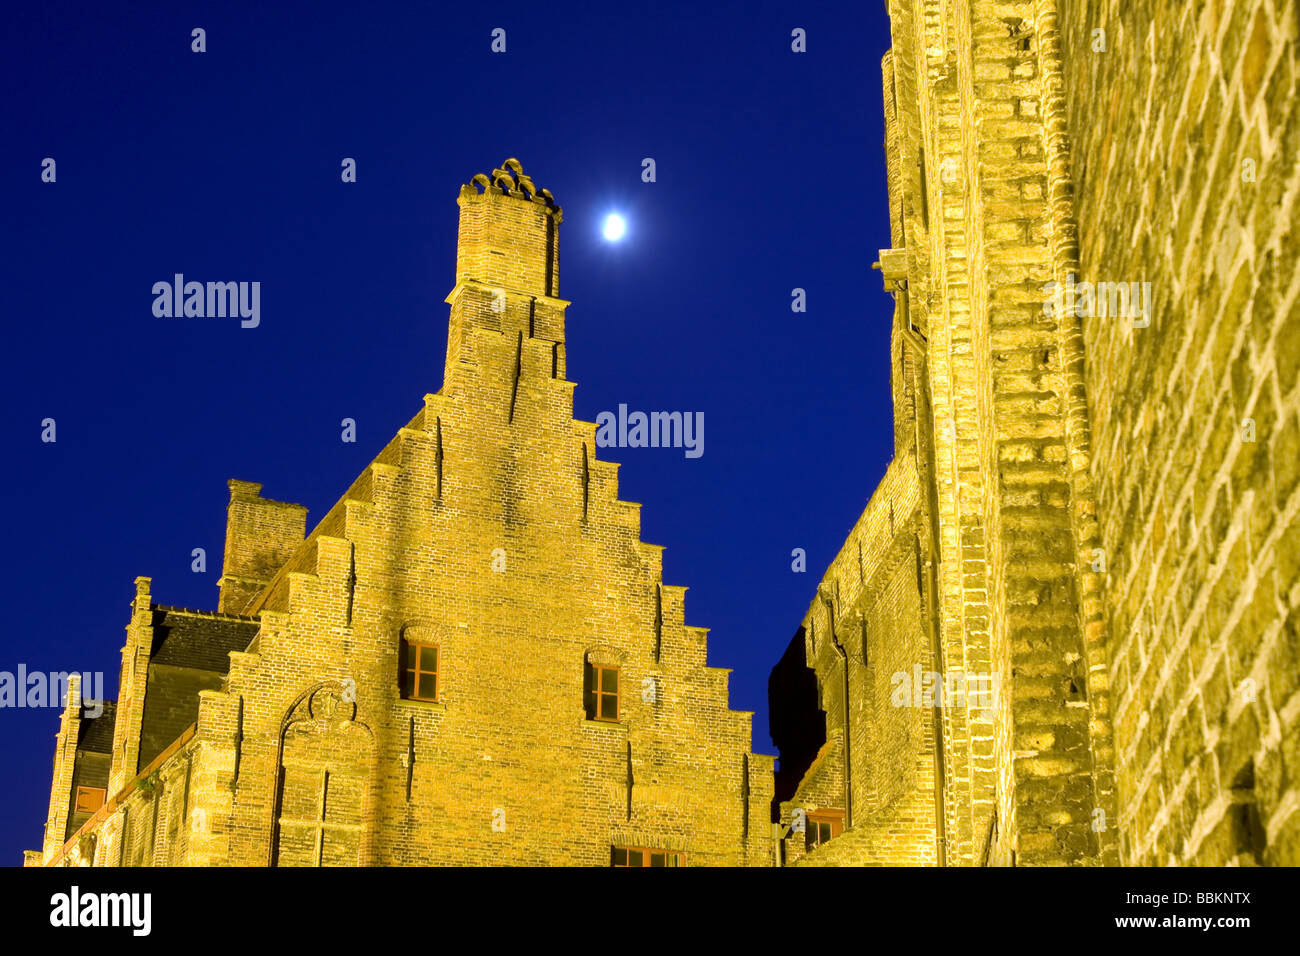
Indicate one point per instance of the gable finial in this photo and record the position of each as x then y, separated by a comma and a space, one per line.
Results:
511, 180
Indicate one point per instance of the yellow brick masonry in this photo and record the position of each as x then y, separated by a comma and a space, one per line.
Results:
1109, 514
867, 618
1186, 141
989, 388
486, 526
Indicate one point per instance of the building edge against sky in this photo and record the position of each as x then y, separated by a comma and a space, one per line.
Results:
1091, 527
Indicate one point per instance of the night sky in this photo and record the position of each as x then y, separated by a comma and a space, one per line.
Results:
225, 165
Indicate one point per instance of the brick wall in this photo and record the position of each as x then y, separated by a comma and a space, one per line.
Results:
1109, 518
260, 536
867, 617
1185, 131
995, 390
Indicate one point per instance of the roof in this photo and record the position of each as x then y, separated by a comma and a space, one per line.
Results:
199, 639
96, 734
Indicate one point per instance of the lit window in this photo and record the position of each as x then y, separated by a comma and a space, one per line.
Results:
420, 671
89, 799
822, 826
641, 856
601, 692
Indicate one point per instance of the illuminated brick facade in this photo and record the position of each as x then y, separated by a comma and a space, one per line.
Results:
487, 543
1095, 517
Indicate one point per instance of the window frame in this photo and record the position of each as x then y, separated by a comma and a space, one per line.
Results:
406, 670
678, 856
812, 818
598, 693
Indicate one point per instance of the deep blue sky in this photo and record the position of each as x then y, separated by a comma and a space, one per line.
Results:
225, 165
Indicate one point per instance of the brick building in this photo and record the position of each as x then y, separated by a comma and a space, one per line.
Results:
1091, 527
472, 659
1064, 630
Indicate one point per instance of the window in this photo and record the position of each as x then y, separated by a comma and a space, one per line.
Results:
640, 856
319, 823
420, 671
601, 692
822, 826
89, 799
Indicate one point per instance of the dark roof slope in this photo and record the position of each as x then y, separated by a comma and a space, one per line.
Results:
96, 733
199, 639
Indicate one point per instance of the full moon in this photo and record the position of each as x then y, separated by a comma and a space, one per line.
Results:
614, 227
